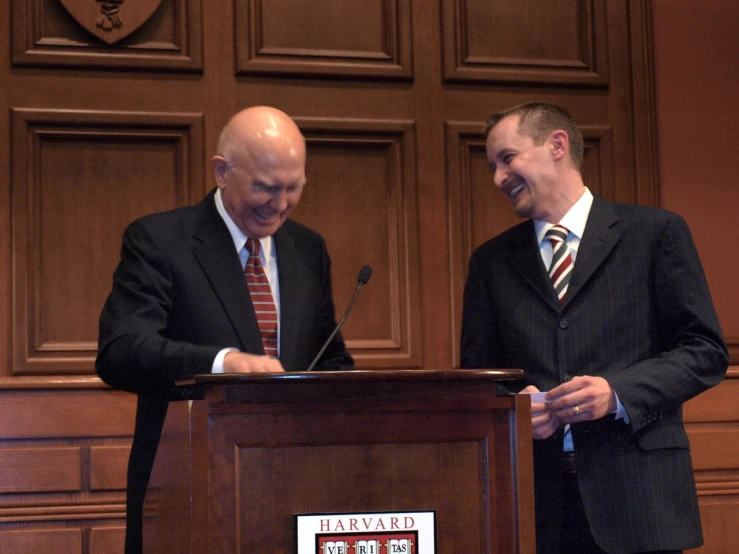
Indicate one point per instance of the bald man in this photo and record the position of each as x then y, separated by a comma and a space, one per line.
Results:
180, 302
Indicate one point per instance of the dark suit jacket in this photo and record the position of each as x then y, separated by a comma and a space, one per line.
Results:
638, 313
179, 296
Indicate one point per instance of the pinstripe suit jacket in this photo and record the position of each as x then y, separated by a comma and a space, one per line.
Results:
638, 312
179, 297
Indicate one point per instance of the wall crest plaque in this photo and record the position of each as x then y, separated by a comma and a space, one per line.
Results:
111, 20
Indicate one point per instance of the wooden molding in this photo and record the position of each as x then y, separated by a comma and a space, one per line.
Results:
732, 344
59, 541
367, 166
44, 34
644, 136
64, 230
265, 36
62, 512
471, 47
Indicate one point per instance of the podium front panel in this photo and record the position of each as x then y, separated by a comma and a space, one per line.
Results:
274, 451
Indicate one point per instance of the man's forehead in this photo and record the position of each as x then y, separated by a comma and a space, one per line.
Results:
509, 125
280, 178
504, 136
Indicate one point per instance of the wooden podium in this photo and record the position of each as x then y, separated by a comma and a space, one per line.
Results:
232, 470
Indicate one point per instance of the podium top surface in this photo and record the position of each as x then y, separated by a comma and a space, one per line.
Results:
357, 376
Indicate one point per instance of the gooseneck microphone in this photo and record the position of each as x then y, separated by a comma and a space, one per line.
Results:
364, 275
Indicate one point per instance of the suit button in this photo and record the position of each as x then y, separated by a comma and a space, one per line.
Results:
567, 377
563, 324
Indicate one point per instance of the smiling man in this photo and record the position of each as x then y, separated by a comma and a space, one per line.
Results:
536, 169
229, 285
260, 170
606, 308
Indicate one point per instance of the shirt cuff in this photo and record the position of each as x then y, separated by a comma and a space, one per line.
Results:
620, 410
218, 362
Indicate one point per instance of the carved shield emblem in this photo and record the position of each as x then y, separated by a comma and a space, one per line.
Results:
111, 20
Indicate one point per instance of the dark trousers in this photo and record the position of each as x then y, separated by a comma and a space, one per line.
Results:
150, 416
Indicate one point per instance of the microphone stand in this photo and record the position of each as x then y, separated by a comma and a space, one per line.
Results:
364, 274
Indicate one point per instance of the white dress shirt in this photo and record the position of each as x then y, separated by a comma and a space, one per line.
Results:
268, 257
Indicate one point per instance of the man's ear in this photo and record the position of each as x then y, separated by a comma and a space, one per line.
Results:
220, 167
560, 144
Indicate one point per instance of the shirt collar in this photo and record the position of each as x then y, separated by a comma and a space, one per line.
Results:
238, 237
574, 220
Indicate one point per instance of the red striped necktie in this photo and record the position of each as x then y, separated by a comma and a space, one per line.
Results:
261, 298
561, 268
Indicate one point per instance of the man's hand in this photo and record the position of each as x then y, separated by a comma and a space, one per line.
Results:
544, 422
583, 398
240, 362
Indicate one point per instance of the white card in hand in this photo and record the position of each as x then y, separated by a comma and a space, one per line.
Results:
537, 396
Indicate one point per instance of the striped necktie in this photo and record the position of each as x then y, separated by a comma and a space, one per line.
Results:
561, 268
261, 298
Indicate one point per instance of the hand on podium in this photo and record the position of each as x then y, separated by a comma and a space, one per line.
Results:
241, 362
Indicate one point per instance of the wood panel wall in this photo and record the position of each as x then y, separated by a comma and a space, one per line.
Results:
698, 130
98, 127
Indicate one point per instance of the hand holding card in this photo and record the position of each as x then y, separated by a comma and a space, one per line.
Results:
537, 397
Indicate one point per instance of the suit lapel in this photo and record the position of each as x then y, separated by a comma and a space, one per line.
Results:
526, 260
599, 239
214, 251
291, 298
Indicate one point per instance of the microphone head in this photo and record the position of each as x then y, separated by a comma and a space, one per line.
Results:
364, 274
